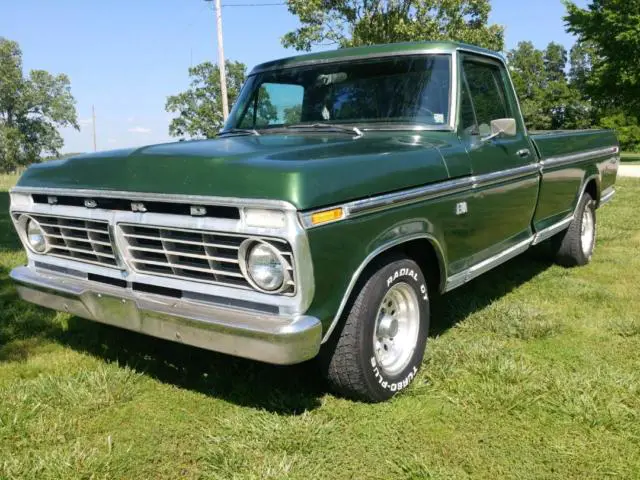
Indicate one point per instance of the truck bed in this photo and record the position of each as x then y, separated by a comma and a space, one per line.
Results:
557, 143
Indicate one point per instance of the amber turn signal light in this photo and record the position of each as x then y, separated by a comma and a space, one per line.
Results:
326, 216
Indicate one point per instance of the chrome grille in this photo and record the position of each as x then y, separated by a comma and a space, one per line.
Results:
79, 239
191, 254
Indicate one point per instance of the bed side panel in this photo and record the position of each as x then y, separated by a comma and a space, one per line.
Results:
569, 159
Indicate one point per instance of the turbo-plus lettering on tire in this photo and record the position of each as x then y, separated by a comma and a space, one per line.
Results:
381, 345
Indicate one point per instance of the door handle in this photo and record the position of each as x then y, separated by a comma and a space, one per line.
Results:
524, 153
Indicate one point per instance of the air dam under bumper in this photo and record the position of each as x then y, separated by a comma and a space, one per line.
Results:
250, 334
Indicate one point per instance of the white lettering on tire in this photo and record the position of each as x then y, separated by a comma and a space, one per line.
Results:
394, 387
403, 272
408, 272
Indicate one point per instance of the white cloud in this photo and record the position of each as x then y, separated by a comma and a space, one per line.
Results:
139, 130
84, 121
130, 119
111, 141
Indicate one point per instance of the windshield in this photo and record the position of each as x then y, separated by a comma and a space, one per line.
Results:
403, 91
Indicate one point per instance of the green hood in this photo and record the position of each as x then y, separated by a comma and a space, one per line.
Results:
308, 171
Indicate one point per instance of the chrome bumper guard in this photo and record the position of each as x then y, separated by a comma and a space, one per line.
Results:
244, 333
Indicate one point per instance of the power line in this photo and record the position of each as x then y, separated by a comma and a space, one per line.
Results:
253, 4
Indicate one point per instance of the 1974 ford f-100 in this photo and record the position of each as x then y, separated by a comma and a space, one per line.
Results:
345, 189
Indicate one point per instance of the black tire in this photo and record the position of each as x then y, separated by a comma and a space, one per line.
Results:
568, 245
350, 363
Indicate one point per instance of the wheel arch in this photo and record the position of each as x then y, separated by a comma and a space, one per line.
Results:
423, 248
590, 185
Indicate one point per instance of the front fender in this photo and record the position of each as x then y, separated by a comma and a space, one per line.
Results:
341, 252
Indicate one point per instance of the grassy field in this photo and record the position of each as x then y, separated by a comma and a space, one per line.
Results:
532, 371
628, 158
7, 181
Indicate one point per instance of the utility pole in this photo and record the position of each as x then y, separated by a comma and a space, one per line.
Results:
93, 122
221, 63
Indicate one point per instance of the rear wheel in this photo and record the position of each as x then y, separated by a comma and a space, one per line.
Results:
381, 345
575, 245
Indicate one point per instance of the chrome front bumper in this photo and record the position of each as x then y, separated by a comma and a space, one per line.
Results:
243, 333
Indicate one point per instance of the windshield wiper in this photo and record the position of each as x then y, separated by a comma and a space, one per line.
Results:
326, 126
239, 131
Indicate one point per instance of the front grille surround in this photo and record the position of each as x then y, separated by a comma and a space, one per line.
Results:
194, 255
290, 240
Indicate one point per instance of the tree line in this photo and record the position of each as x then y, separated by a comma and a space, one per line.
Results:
594, 84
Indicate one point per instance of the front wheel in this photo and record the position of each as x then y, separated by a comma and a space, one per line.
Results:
575, 246
381, 345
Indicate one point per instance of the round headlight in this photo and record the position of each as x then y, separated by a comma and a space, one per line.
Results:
35, 236
265, 267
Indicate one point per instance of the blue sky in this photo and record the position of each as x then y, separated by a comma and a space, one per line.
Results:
126, 57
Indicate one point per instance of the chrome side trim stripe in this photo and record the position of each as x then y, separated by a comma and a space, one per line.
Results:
579, 157
159, 197
428, 192
607, 196
369, 205
505, 175
469, 274
549, 232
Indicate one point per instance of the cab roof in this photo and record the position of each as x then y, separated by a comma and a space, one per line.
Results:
372, 51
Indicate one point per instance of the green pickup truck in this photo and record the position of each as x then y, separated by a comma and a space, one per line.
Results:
345, 190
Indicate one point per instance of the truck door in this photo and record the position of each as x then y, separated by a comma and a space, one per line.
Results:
503, 200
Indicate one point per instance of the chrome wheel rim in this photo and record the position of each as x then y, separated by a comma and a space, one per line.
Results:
587, 232
396, 331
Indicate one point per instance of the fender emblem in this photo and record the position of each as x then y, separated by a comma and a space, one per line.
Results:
462, 208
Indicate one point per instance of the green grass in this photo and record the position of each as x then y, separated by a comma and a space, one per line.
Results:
532, 371
629, 158
7, 181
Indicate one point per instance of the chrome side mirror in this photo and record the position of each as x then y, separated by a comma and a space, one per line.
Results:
502, 127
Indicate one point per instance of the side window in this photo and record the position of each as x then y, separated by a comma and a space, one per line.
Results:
467, 115
487, 92
263, 112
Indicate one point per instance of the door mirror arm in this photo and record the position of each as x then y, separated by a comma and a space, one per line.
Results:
492, 136
506, 127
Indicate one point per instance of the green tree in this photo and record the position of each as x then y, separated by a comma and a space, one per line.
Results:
199, 108
558, 98
527, 67
266, 110
627, 128
584, 110
581, 59
555, 62
549, 98
32, 109
348, 23
603, 66
293, 114
612, 30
